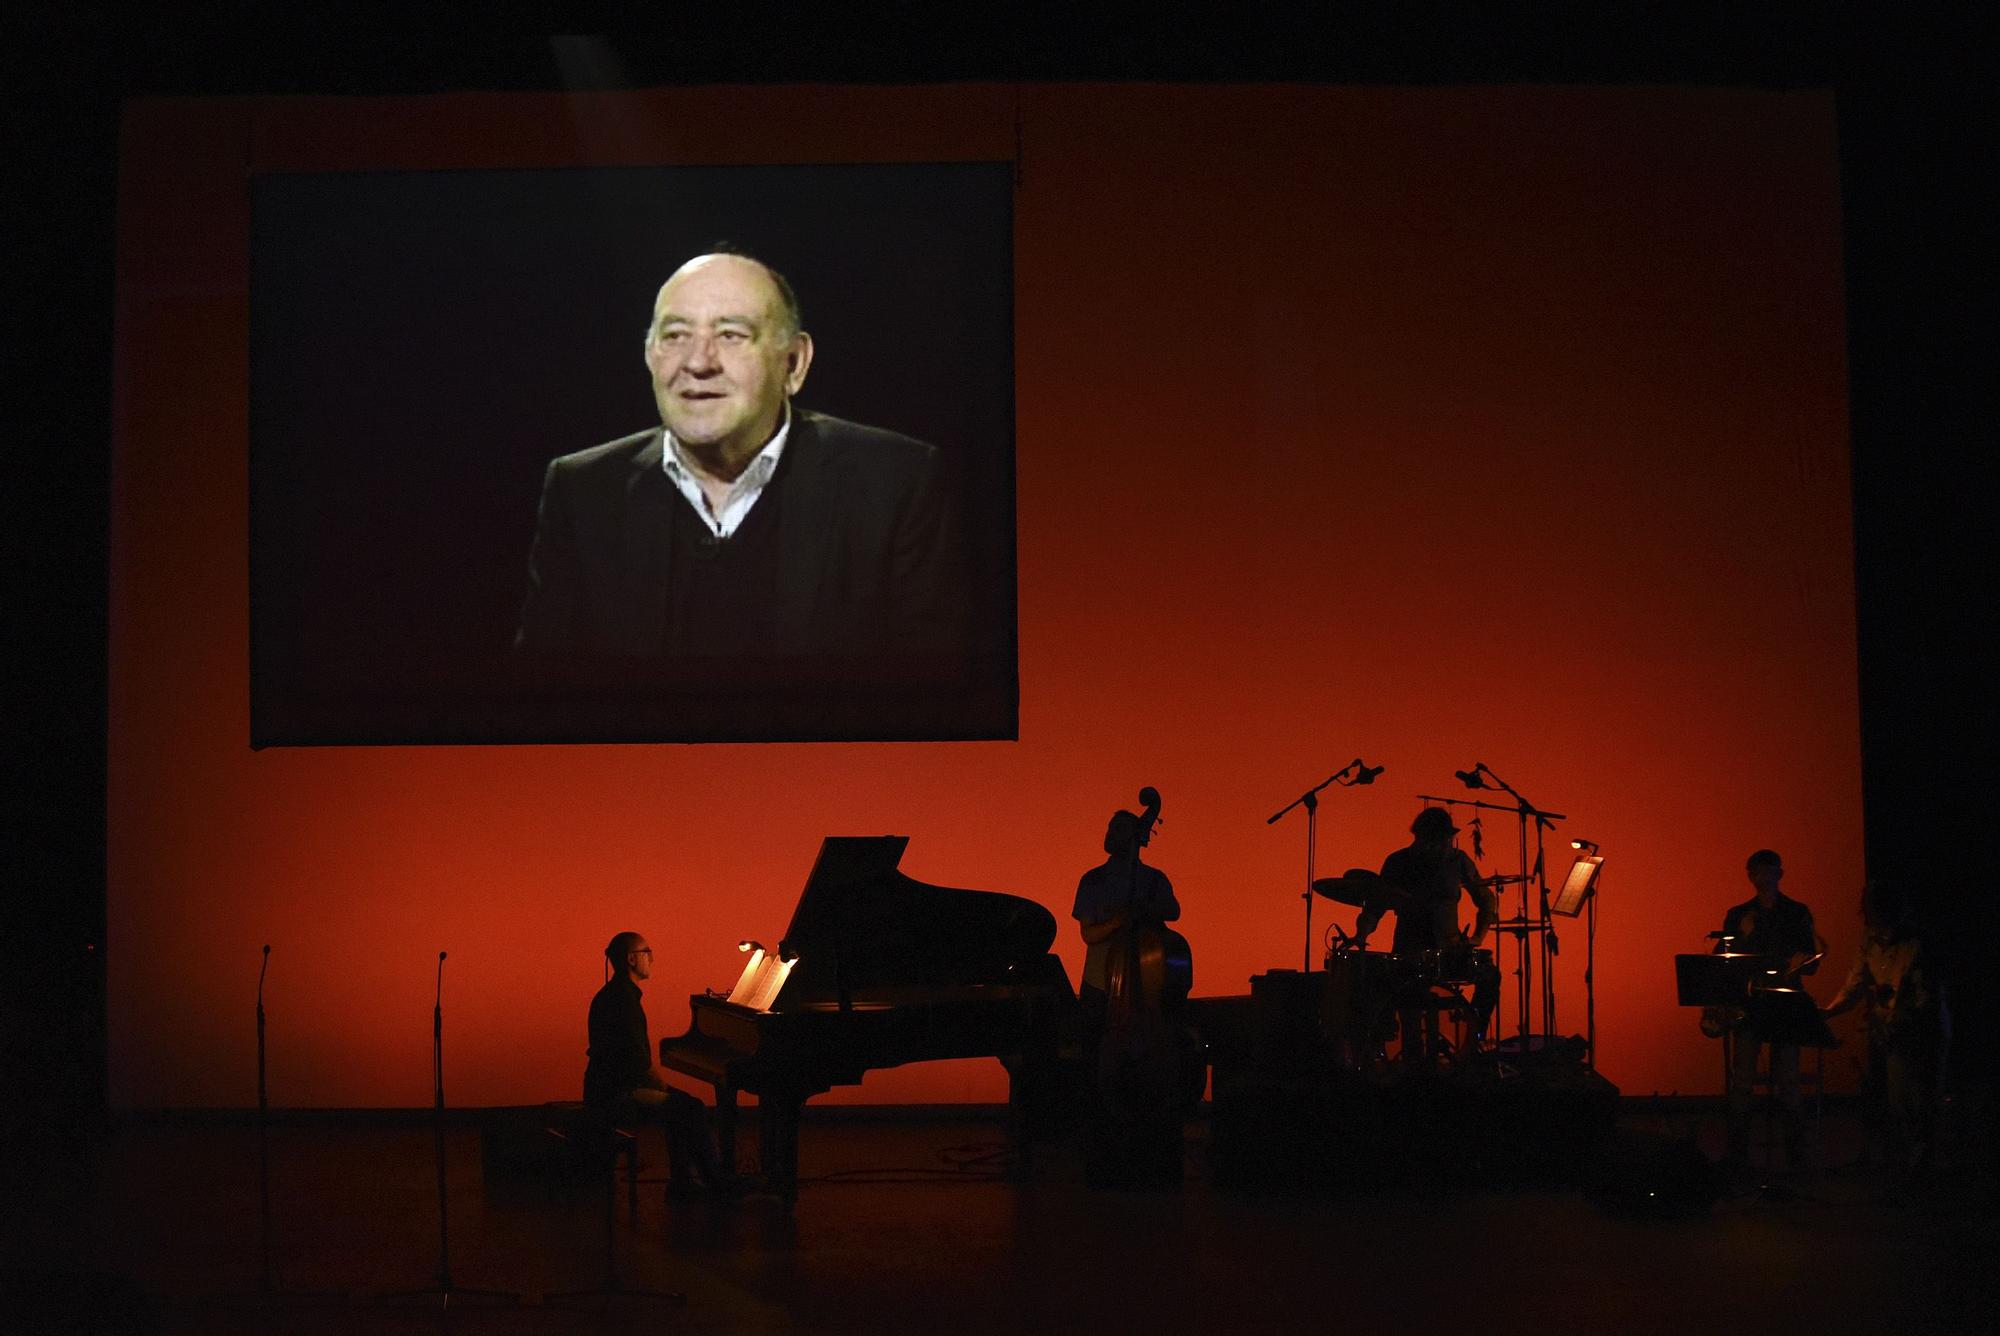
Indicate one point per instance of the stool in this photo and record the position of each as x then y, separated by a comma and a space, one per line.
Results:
597, 1145
1433, 1005
1765, 1092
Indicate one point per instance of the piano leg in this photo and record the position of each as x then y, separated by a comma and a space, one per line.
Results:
725, 1130
1020, 1125
779, 1123
778, 1143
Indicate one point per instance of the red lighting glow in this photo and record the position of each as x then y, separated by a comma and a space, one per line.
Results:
1308, 382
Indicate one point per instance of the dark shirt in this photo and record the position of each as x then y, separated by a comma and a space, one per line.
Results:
1785, 929
722, 590
1432, 877
621, 1051
868, 559
1112, 888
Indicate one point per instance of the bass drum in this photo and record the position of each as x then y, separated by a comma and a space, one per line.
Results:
1355, 998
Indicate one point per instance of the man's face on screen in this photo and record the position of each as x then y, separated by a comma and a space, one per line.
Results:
723, 356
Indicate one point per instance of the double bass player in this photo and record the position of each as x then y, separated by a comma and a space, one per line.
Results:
1135, 970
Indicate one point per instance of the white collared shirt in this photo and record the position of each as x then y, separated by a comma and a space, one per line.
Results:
743, 493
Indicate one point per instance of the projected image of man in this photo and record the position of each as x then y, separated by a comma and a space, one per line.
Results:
743, 527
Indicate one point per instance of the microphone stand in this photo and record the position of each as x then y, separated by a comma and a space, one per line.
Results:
269, 1290
1310, 801
266, 1277
444, 1289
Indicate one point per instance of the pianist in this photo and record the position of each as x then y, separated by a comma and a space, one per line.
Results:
621, 1081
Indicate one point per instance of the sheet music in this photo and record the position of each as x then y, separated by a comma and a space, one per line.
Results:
762, 978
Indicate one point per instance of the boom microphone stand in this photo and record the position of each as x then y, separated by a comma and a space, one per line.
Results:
1476, 778
444, 1289
1362, 774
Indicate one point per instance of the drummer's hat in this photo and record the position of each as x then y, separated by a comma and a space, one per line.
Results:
1433, 823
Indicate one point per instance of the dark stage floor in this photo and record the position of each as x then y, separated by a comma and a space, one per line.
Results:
905, 1226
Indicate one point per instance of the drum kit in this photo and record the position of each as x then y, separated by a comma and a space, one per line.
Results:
1430, 980
1364, 989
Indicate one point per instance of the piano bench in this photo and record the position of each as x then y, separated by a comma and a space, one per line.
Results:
590, 1145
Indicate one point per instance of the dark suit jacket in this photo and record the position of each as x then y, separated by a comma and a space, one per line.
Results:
868, 565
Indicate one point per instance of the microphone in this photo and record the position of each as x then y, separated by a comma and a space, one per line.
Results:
1368, 774
1472, 779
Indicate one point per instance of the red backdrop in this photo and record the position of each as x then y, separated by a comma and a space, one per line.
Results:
1433, 425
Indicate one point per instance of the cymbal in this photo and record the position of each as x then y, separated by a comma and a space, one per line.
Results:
1358, 887
1513, 880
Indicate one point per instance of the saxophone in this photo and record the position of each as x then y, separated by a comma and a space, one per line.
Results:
1719, 1019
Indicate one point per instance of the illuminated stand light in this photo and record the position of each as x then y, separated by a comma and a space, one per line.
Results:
1580, 882
763, 976
1578, 889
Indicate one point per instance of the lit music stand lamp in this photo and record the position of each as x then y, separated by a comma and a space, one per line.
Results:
1579, 889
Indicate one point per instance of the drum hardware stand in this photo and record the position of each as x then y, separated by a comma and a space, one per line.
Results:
444, 1290
1361, 773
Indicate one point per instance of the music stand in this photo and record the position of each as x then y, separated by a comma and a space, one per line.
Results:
1713, 980
1577, 886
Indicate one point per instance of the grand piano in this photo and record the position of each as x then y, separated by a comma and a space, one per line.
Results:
885, 970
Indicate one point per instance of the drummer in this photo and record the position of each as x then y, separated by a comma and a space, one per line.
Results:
1429, 874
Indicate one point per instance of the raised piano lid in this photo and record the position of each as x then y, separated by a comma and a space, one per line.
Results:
861, 924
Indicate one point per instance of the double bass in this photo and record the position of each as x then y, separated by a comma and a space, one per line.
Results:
1149, 1060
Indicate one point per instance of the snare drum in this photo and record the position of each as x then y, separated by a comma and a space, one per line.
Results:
1457, 964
